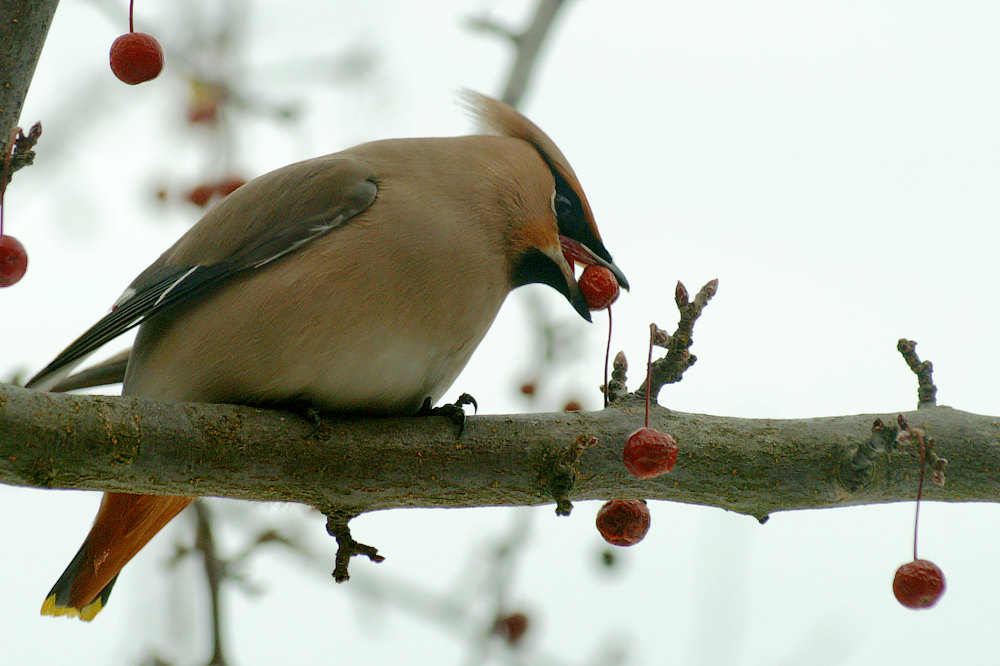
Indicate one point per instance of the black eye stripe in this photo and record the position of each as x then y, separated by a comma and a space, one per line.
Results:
572, 222
569, 212
563, 206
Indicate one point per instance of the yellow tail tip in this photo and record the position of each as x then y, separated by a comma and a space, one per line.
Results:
87, 613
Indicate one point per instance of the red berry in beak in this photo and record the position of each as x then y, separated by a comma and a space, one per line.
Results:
599, 286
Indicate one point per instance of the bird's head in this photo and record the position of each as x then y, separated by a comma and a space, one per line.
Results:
551, 241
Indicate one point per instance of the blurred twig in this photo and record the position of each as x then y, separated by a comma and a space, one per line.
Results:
527, 44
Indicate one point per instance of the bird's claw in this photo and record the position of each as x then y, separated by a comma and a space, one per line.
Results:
307, 411
454, 412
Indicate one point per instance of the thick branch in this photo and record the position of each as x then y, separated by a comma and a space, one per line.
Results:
23, 27
753, 466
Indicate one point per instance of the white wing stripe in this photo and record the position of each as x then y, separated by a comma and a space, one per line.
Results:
317, 230
176, 282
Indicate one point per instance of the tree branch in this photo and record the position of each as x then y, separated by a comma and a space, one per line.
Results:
23, 28
215, 574
527, 46
924, 370
752, 466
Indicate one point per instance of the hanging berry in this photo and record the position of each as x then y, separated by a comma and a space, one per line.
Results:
13, 257
623, 522
920, 583
13, 260
136, 56
649, 452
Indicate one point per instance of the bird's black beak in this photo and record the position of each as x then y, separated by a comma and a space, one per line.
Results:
555, 268
577, 300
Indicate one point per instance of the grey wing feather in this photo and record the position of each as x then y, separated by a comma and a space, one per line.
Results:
264, 220
108, 371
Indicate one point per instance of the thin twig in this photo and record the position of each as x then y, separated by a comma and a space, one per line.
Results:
21, 149
670, 369
215, 574
528, 44
347, 547
924, 370
617, 387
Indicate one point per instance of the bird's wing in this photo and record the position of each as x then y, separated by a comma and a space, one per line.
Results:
260, 222
108, 371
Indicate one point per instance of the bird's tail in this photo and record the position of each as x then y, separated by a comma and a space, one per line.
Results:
124, 524
58, 601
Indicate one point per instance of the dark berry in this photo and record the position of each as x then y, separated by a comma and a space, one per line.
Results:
229, 185
623, 522
918, 584
200, 195
511, 627
649, 453
13, 261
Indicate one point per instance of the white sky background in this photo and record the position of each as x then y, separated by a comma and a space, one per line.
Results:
835, 164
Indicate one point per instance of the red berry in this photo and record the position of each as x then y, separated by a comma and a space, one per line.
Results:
200, 195
599, 286
511, 627
13, 261
572, 406
623, 522
528, 388
229, 185
918, 584
136, 57
649, 453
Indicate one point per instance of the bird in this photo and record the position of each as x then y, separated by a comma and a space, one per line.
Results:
359, 282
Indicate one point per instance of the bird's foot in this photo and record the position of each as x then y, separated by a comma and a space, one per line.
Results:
454, 412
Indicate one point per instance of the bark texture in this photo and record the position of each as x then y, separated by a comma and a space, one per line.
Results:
752, 466
23, 27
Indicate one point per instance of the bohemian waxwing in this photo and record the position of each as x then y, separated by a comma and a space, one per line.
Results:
358, 282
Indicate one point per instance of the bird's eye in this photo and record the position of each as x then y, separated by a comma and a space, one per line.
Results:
562, 207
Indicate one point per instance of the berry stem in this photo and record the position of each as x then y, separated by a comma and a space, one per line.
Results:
920, 492
7, 157
649, 368
131, 28
607, 357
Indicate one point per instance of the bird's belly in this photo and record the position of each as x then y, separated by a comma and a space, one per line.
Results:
388, 380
